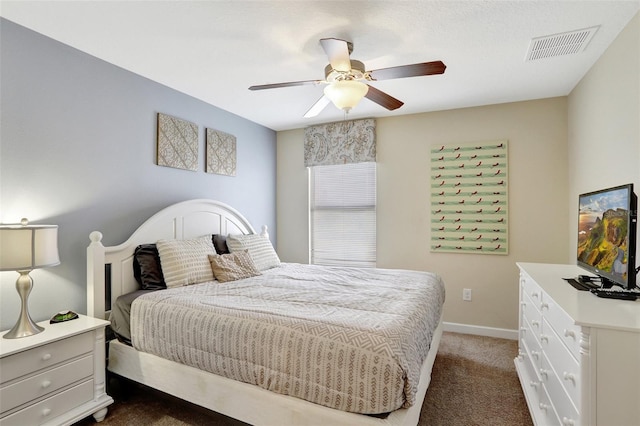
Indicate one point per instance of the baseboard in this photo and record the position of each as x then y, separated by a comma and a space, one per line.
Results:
501, 333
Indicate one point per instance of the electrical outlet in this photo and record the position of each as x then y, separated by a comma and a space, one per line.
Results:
466, 294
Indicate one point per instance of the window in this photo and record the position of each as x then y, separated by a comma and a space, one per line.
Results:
342, 211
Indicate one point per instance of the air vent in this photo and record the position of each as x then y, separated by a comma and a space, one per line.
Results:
562, 44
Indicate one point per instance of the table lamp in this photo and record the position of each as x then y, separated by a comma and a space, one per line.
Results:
25, 247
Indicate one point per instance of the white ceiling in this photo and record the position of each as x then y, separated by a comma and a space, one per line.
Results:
215, 50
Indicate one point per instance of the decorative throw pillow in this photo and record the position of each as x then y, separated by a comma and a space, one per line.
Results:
233, 266
146, 267
185, 262
260, 249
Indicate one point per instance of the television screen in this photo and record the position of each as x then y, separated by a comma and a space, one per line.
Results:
607, 235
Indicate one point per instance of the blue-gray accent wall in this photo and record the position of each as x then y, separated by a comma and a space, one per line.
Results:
78, 148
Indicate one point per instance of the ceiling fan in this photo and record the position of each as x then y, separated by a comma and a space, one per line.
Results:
347, 80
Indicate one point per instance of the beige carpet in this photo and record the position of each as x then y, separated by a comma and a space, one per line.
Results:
473, 383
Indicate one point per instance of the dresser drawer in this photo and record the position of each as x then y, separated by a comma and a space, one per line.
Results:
546, 411
531, 367
50, 408
44, 356
532, 315
34, 387
529, 380
532, 290
565, 365
563, 405
533, 345
563, 325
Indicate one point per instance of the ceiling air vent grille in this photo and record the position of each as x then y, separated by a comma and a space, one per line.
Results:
568, 43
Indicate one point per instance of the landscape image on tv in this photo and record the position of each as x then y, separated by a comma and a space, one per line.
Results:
602, 231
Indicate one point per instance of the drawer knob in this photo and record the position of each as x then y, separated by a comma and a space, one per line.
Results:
544, 372
544, 338
46, 412
544, 306
534, 384
46, 384
46, 357
535, 294
543, 406
535, 323
569, 333
569, 377
568, 422
535, 354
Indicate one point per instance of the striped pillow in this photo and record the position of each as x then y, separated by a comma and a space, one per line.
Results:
260, 249
186, 262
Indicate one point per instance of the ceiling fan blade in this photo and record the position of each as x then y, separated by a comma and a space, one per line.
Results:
288, 84
338, 52
382, 99
317, 107
415, 70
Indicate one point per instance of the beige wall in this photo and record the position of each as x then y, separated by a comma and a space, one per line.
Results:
604, 123
292, 194
537, 132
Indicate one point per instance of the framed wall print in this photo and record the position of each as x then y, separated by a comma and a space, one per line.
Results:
221, 153
469, 198
177, 143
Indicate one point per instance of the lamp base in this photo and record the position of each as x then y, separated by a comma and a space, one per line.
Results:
25, 326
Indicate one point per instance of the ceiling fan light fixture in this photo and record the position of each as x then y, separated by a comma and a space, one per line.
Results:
346, 94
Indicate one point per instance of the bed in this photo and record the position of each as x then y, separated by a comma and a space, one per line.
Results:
272, 296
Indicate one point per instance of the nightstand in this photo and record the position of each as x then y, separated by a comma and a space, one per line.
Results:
56, 377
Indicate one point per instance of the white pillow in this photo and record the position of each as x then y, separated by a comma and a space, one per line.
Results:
186, 262
260, 249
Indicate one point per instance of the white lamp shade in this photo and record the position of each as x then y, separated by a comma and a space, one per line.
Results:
346, 94
23, 248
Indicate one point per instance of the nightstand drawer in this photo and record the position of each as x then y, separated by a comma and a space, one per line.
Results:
51, 408
44, 356
41, 384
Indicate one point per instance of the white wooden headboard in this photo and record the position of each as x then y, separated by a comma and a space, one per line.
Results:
110, 269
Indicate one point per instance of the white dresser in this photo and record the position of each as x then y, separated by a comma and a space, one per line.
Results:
579, 355
56, 377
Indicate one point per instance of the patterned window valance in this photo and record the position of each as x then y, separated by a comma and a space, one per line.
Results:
340, 143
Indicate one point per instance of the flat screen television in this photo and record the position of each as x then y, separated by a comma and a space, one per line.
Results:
607, 235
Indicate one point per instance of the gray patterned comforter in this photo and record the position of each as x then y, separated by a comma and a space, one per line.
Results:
347, 338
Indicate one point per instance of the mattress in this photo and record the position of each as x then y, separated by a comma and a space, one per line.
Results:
353, 339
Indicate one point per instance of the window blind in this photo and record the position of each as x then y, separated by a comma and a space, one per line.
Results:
342, 210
